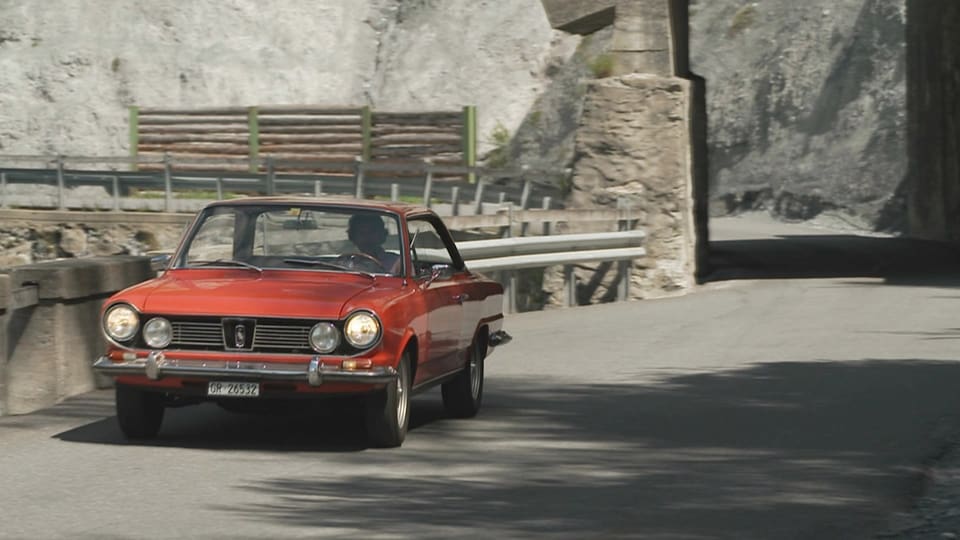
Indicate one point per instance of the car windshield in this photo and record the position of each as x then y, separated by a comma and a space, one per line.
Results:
325, 238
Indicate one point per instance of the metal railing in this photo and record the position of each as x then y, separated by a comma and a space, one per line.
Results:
509, 255
422, 182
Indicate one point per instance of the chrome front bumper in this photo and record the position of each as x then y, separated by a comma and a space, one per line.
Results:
157, 366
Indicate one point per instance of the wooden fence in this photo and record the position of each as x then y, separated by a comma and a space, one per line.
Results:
324, 139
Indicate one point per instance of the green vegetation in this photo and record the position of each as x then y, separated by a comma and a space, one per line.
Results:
535, 118
500, 155
602, 66
742, 20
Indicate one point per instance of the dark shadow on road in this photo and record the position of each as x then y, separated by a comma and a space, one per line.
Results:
336, 428
780, 450
900, 261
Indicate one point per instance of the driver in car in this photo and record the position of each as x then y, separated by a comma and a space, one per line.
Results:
368, 233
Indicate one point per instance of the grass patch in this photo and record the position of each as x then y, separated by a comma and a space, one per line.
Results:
602, 66
500, 155
743, 19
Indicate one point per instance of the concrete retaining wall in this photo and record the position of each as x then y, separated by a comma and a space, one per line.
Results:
50, 327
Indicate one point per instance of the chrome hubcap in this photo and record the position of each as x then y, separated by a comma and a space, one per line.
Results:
475, 373
401, 398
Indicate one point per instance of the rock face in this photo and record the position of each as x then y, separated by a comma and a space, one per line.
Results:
25, 242
65, 89
806, 104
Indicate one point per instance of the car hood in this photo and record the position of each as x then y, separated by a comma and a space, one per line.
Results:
251, 296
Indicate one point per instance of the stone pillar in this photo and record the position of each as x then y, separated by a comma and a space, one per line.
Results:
642, 139
633, 144
933, 125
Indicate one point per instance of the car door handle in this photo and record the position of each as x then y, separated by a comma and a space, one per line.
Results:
461, 298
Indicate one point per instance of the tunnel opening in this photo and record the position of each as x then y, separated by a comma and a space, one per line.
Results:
898, 227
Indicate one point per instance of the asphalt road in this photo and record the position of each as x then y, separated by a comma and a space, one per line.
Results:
803, 402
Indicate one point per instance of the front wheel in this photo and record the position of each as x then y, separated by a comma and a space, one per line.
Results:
462, 396
388, 411
139, 413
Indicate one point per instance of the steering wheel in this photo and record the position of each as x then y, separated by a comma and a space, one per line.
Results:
354, 260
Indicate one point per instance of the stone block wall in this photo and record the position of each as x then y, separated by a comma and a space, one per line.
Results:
633, 148
48, 347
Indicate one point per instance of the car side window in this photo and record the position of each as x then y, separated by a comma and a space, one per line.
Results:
426, 247
215, 237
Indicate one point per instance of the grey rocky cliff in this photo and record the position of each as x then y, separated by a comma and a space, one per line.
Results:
65, 89
806, 105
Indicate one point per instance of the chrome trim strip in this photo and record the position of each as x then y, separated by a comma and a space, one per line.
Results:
157, 366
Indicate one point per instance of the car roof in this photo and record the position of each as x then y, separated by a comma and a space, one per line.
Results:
341, 202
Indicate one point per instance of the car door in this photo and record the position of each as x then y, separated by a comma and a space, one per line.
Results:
439, 272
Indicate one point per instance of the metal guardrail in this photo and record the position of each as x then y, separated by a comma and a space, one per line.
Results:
522, 187
509, 255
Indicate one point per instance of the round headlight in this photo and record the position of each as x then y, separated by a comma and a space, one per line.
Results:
157, 333
324, 337
362, 329
121, 322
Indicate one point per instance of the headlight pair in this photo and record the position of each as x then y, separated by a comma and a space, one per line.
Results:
121, 323
361, 330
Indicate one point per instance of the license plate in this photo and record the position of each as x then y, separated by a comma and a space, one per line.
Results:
233, 389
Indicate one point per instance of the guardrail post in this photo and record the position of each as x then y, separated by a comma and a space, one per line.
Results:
116, 193
271, 177
546, 224
317, 188
507, 232
525, 194
167, 183
358, 176
478, 196
624, 268
455, 200
507, 278
253, 138
570, 285
394, 192
61, 197
134, 115
4, 203
427, 182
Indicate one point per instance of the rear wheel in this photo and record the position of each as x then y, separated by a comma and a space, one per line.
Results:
139, 413
388, 411
463, 395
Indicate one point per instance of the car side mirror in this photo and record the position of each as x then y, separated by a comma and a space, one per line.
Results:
159, 261
438, 271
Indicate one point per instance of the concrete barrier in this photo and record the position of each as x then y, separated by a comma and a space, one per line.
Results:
50, 327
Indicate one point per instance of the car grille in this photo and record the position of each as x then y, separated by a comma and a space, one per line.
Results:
267, 337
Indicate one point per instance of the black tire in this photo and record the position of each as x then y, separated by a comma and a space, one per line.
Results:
388, 410
463, 395
139, 413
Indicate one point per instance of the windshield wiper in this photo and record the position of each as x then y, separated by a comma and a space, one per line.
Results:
332, 266
225, 262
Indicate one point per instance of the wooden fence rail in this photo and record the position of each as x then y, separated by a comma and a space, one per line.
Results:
301, 138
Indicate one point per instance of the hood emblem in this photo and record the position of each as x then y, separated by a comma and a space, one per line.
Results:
240, 336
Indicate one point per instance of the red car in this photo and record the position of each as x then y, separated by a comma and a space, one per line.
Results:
268, 299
